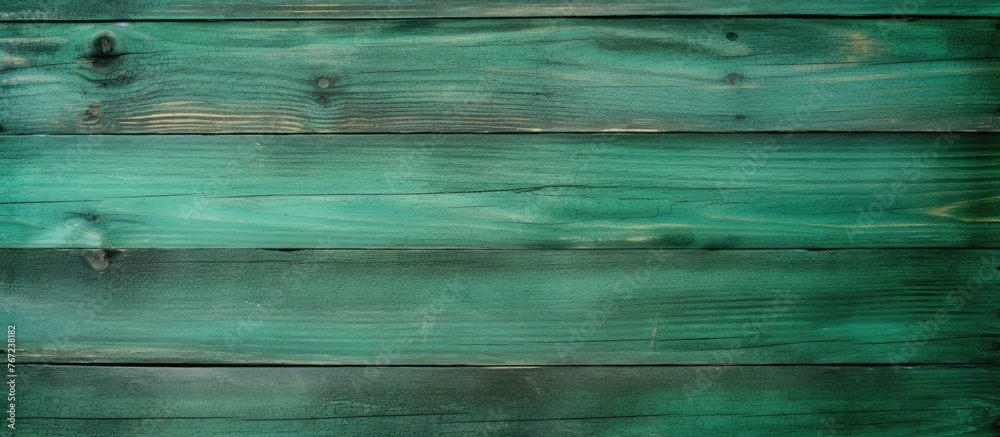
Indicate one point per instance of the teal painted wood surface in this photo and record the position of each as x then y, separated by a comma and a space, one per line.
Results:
501, 191
634, 129
41, 10
592, 401
567, 75
521, 307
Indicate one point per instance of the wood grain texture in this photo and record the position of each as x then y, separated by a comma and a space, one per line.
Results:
503, 307
40, 10
501, 191
591, 401
563, 75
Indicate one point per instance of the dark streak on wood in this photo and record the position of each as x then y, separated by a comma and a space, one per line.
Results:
503, 307
513, 401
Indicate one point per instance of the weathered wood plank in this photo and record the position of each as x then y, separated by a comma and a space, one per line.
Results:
312, 9
501, 191
592, 401
566, 75
503, 307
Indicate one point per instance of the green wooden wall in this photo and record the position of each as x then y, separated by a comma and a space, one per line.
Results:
559, 217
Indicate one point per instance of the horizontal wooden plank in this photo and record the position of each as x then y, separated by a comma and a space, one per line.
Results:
592, 401
42, 10
562, 75
501, 191
503, 307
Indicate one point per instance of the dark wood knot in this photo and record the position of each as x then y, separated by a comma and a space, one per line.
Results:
94, 110
100, 259
104, 46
